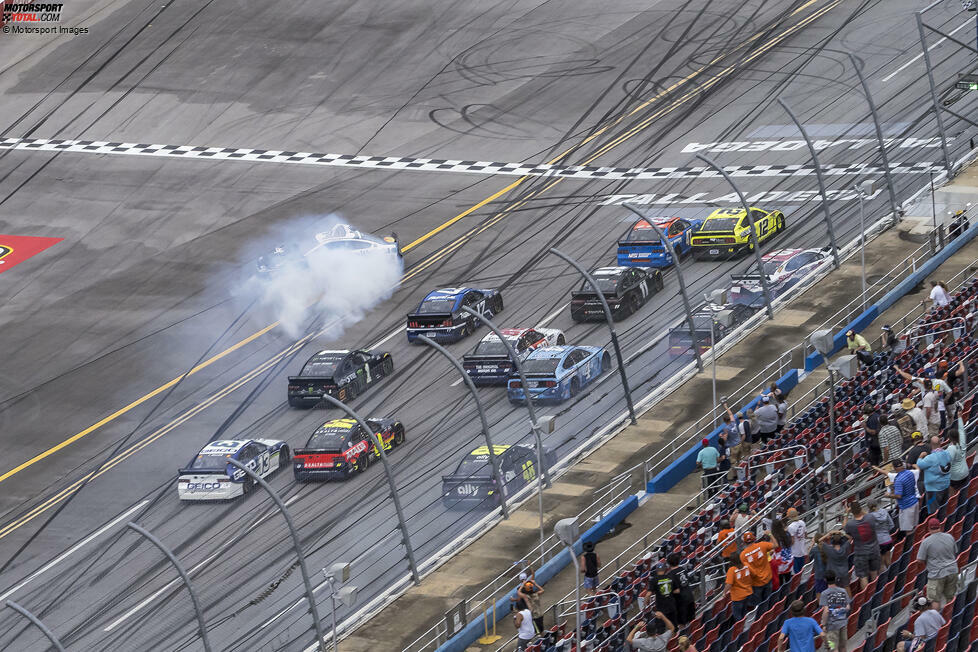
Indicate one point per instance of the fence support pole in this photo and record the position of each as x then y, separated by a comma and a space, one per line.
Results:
821, 181
55, 643
310, 597
611, 326
753, 233
402, 522
493, 462
202, 626
933, 96
879, 138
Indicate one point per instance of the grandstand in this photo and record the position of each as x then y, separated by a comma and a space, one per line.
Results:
880, 610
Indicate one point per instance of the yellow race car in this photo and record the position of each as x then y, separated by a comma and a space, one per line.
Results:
726, 232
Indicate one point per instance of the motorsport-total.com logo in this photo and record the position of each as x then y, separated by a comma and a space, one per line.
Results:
36, 18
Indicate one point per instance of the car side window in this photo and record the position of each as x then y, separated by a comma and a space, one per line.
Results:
472, 298
523, 343
247, 453
675, 228
569, 360
536, 337
756, 214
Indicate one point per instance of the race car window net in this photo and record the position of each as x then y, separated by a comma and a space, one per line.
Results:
544, 366
437, 305
330, 441
720, 224
473, 465
491, 347
771, 267
605, 284
321, 368
210, 462
642, 234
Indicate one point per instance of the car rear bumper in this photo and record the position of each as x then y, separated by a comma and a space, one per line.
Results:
445, 334
549, 394
715, 252
227, 491
657, 260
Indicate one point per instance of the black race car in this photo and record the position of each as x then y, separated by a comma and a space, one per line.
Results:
339, 448
626, 289
473, 484
724, 319
341, 374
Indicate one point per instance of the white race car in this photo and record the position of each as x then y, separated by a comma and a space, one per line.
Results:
343, 237
211, 477
489, 363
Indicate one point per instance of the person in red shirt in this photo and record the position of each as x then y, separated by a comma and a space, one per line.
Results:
757, 557
739, 588
726, 539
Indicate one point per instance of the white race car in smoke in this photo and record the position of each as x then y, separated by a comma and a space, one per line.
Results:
343, 237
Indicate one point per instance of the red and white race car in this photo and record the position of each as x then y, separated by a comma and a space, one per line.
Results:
489, 363
783, 268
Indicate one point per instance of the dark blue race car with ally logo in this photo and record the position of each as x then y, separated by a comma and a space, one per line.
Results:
557, 373
439, 316
473, 483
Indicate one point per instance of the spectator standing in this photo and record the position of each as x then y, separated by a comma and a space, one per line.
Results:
904, 491
835, 548
938, 294
731, 432
871, 430
925, 628
799, 539
859, 347
936, 466
745, 424
590, 564
958, 452
652, 636
861, 528
818, 564
524, 626
739, 588
782, 405
781, 563
889, 342
890, 439
884, 532
800, 633
708, 460
917, 446
667, 589
940, 552
767, 418
756, 557
932, 408
685, 600
744, 516
685, 645
530, 592
835, 604
916, 413
724, 449
725, 538
904, 422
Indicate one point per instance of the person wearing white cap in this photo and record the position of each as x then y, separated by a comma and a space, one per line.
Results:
767, 418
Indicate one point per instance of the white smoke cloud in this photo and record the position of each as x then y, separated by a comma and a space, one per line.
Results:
329, 287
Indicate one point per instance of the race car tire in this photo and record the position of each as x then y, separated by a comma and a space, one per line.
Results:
352, 391
386, 367
575, 387
247, 486
561, 340
361, 464
284, 457
779, 225
398, 435
634, 304
497, 303
469, 327
658, 283
605, 362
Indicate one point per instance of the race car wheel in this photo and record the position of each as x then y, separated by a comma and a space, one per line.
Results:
284, 457
658, 283
780, 224
469, 327
561, 340
360, 465
398, 435
497, 303
634, 304
247, 486
387, 367
352, 391
575, 387
605, 362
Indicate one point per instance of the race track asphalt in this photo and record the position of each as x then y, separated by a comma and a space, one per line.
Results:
146, 283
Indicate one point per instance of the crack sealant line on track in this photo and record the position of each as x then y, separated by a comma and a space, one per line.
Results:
441, 165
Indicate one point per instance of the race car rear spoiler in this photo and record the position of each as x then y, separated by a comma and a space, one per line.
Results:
328, 382
590, 294
430, 317
747, 278
473, 357
192, 471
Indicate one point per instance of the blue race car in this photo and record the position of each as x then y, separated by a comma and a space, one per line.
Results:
641, 247
557, 373
440, 317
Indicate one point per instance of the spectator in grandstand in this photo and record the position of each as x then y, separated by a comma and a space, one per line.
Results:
745, 424
871, 430
959, 224
525, 631
835, 548
737, 448
889, 343
744, 516
936, 466
799, 539
739, 588
708, 461
724, 449
685, 600
861, 528
890, 439
652, 635
884, 531
590, 564
912, 410
756, 557
958, 452
767, 418
926, 627
917, 446
667, 587
685, 645
931, 402
835, 603
726, 539
818, 564
940, 552
800, 633
904, 491
530, 593
859, 347
939, 296
781, 561
782, 405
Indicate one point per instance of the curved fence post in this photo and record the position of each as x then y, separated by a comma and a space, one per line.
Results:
493, 462
183, 575
310, 597
55, 643
402, 522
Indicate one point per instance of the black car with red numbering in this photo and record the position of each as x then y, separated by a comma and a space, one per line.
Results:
341, 447
344, 375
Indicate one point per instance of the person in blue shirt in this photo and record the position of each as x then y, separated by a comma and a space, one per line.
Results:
708, 459
936, 467
802, 634
904, 491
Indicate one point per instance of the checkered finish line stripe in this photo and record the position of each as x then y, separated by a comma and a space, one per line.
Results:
442, 165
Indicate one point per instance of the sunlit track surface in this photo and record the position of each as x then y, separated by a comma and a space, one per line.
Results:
242, 546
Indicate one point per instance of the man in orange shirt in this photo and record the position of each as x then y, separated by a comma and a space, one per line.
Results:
725, 535
756, 557
739, 588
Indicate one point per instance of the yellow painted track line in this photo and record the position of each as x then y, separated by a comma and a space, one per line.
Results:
428, 262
